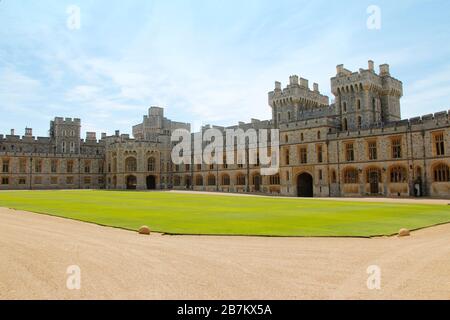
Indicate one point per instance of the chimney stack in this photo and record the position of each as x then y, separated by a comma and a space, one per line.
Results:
316, 87
12, 132
371, 65
28, 132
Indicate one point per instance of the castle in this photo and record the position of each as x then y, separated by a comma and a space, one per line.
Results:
357, 146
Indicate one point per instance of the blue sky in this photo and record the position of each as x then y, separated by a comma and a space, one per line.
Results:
205, 61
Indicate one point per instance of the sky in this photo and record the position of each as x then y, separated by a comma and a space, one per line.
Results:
205, 61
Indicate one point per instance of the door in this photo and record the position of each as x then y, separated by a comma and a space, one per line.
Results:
305, 185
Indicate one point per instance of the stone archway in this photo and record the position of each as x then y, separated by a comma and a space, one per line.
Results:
305, 185
131, 182
151, 182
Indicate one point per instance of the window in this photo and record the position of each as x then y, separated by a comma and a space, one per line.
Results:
199, 167
373, 172
344, 125
176, 181
372, 145
187, 167
439, 144
226, 180
319, 154
286, 138
70, 166
396, 148
151, 164
22, 181
318, 135
199, 181
374, 104
345, 107
303, 155
23, 165
54, 180
54, 166
69, 180
359, 122
5, 180
333, 177
87, 180
441, 173
350, 176
38, 166
358, 104
240, 180
211, 180
275, 180
302, 137
63, 147
287, 157
72, 147
398, 174
5, 166
349, 152
87, 166
289, 115
320, 175
101, 167
131, 164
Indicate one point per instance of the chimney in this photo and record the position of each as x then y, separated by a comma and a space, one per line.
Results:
117, 133
316, 87
384, 70
12, 132
371, 65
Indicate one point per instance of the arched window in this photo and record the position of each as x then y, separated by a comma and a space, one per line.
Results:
371, 173
240, 180
225, 180
350, 176
441, 173
345, 107
318, 135
211, 180
359, 122
358, 103
398, 174
151, 164
198, 180
131, 164
301, 136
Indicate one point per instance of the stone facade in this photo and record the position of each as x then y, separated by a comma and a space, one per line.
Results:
356, 146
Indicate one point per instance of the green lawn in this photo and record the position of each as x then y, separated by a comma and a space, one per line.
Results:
228, 215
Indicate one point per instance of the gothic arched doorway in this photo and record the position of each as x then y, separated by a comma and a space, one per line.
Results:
151, 182
305, 185
131, 183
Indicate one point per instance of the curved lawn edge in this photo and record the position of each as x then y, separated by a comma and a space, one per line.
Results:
164, 233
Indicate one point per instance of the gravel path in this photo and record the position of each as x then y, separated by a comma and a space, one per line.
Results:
36, 250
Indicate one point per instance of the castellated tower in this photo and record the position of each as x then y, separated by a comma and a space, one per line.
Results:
296, 102
65, 133
364, 98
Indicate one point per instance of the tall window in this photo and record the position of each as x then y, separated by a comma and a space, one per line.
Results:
398, 174
72, 147
131, 164
344, 124
69, 166
396, 148
226, 180
287, 157
23, 165
199, 180
240, 180
63, 147
5, 166
358, 104
441, 173
349, 152
101, 166
38, 166
211, 180
87, 166
372, 150
350, 176
359, 122
319, 154
303, 155
151, 164
54, 166
439, 144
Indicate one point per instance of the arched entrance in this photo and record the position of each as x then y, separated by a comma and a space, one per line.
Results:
131, 183
151, 182
305, 185
257, 182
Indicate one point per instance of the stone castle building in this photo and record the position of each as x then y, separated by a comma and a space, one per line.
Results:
356, 146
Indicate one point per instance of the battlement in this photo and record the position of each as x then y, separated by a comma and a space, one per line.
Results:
347, 81
297, 92
67, 121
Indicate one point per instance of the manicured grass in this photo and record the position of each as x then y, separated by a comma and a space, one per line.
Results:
228, 215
